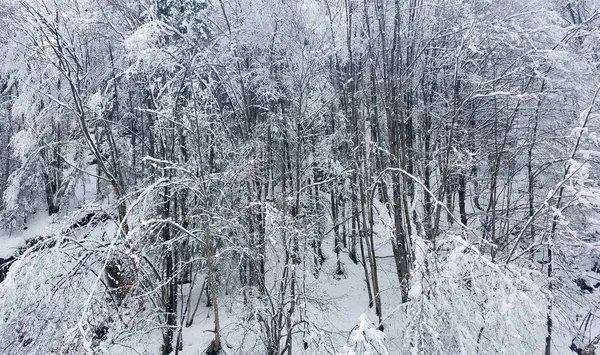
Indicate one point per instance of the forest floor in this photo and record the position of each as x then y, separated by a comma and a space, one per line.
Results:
337, 301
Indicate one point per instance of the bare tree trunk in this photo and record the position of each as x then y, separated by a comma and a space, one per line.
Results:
215, 345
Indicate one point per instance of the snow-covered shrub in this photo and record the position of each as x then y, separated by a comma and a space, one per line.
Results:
466, 304
54, 301
365, 339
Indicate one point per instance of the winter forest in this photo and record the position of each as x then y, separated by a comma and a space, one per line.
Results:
287, 177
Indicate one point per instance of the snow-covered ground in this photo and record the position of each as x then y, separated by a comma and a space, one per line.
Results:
342, 301
37, 225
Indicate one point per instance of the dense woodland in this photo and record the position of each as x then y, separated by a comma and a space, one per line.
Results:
236, 156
